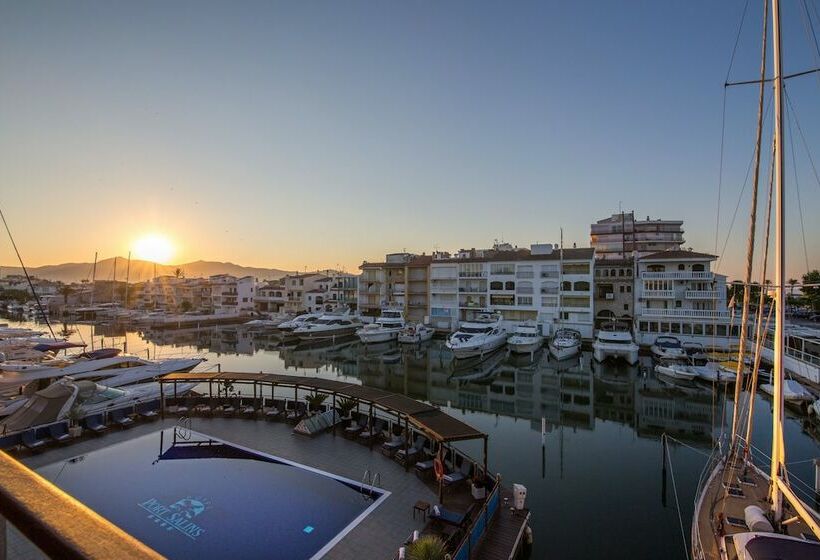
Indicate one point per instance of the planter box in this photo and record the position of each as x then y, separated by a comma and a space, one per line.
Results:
75, 431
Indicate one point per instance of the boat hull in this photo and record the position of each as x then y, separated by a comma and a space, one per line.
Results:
326, 335
461, 352
602, 353
373, 337
564, 352
415, 338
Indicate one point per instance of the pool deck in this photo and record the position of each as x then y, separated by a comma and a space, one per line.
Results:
379, 535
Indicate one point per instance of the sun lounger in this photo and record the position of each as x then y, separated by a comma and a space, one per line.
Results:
249, 411
148, 410
59, 432
202, 409
121, 418
372, 433
412, 453
460, 475
736, 521
31, 440
95, 424
424, 469
356, 427
273, 411
438, 513
296, 413
390, 448
227, 410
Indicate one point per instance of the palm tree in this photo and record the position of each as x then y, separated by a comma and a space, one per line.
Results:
428, 547
792, 284
179, 273
65, 291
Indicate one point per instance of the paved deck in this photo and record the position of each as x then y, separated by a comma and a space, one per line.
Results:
378, 536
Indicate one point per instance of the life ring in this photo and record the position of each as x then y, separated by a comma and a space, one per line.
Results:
438, 466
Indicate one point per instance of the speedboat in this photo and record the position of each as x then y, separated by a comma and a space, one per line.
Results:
712, 372
329, 326
615, 344
677, 371
385, 328
565, 344
695, 352
415, 334
793, 392
69, 398
526, 339
299, 321
668, 348
478, 337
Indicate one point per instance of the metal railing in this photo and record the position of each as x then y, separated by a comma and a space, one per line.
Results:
689, 313
701, 294
659, 294
479, 524
680, 275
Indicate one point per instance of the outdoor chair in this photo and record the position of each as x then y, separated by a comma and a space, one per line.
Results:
121, 418
95, 424
32, 441
59, 432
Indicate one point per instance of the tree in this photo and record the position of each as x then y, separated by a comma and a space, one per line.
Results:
65, 291
792, 284
811, 293
427, 547
179, 273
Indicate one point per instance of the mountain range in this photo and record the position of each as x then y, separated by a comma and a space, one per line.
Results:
140, 271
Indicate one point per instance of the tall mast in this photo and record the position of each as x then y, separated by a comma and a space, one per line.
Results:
127, 276
561, 280
114, 282
93, 278
778, 450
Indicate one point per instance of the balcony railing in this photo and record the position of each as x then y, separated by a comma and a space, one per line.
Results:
479, 274
467, 290
524, 274
659, 294
678, 275
702, 294
687, 313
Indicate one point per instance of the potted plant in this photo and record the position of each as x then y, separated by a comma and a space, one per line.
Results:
314, 401
74, 428
345, 407
428, 547
478, 485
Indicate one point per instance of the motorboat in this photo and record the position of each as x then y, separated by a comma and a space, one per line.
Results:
299, 321
677, 371
793, 392
615, 343
329, 326
69, 398
526, 339
695, 352
478, 337
713, 373
668, 348
415, 334
387, 327
565, 344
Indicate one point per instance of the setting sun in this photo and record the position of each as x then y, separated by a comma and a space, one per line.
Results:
154, 247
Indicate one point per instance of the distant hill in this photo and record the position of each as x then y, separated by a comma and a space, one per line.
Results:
141, 270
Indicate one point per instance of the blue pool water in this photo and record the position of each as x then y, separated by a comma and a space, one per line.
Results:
206, 498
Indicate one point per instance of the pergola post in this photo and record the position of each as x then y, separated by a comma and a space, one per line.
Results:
485, 454
334, 414
161, 399
406, 440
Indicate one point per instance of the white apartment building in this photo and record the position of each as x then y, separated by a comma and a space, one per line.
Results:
621, 236
677, 294
542, 284
319, 291
230, 294
270, 296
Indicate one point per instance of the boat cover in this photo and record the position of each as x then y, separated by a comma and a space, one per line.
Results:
42, 408
770, 546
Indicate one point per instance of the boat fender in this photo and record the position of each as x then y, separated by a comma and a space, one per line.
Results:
528, 535
438, 466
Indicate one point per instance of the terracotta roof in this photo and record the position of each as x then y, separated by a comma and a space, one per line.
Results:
677, 255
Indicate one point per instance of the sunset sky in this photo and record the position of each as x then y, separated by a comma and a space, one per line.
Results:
319, 134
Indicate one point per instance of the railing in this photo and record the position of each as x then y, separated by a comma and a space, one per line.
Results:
680, 275
526, 291
479, 274
524, 274
659, 294
479, 524
688, 313
702, 294
472, 290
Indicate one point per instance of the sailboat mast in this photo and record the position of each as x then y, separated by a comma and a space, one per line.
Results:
561, 280
127, 275
114, 282
93, 278
778, 450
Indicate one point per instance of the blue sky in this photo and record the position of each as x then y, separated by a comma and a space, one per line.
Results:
314, 134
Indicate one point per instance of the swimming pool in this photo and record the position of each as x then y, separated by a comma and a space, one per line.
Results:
202, 497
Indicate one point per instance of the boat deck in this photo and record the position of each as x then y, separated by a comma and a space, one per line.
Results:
731, 489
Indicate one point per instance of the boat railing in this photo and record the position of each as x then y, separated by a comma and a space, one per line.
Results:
479, 524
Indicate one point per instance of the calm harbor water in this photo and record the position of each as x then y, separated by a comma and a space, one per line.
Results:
594, 476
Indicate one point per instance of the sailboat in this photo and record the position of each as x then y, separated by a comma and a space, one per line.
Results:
741, 511
565, 343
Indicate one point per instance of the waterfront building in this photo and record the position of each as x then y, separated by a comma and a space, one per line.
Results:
614, 291
343, 290
402, 281
270, 296
521, 284
297, 286
622, 236
230, 294
677, 294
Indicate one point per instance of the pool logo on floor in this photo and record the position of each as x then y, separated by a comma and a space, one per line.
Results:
178, 515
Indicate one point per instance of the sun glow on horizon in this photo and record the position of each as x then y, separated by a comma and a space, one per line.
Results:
154, 247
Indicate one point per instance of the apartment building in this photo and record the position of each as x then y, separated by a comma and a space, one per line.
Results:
621, 236
343, 290
172, 293
400, 281
678, 294
545, 284
270, 297
230, 294
614, 291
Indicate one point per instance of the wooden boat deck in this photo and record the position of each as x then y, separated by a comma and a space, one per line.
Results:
505, 534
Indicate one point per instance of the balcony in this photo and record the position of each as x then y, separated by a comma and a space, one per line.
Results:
686, 313
702, 294
677, 275
524, 274
659, 294
478, 274
469, 290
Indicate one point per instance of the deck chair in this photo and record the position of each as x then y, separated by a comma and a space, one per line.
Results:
249, 410
59, 432
121, 418
202, 409
227, 410
356, 427
461, 475
273, 411
296, 413
439, 513
95, 424
412, 453
31, 440
148, 410
390, 448
373, 432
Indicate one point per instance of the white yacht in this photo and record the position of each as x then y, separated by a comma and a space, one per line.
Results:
614, 343
385, 328
668, 348
526, 339
415, 334
793, 392
81, 399
677, 371
299, 321
565, 344
478, 337
329, 326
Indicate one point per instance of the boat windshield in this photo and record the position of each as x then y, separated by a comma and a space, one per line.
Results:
476, 330
106, 394
391, 315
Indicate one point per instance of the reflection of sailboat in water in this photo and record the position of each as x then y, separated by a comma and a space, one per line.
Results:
741, 510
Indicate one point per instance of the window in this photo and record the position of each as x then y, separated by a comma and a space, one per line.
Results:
576, 268
653, 327
626, 307
721, 330
656, 268
644, 327
628, 289
698, 268
524, 300
621, 289
597, 272
549, 301
496, 285
687, 328
576, 301
621, 272
697, 329
677, 303
566, 286
502, 269
502, 300
629, 272
675, 328
681, 267
509, 285
709, 329
581, 286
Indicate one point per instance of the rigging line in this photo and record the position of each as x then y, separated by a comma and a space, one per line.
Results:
695, 449
28, 278
808, 25
737, 39
677, 502
768, 80
797, 188
802, 136
740, 197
